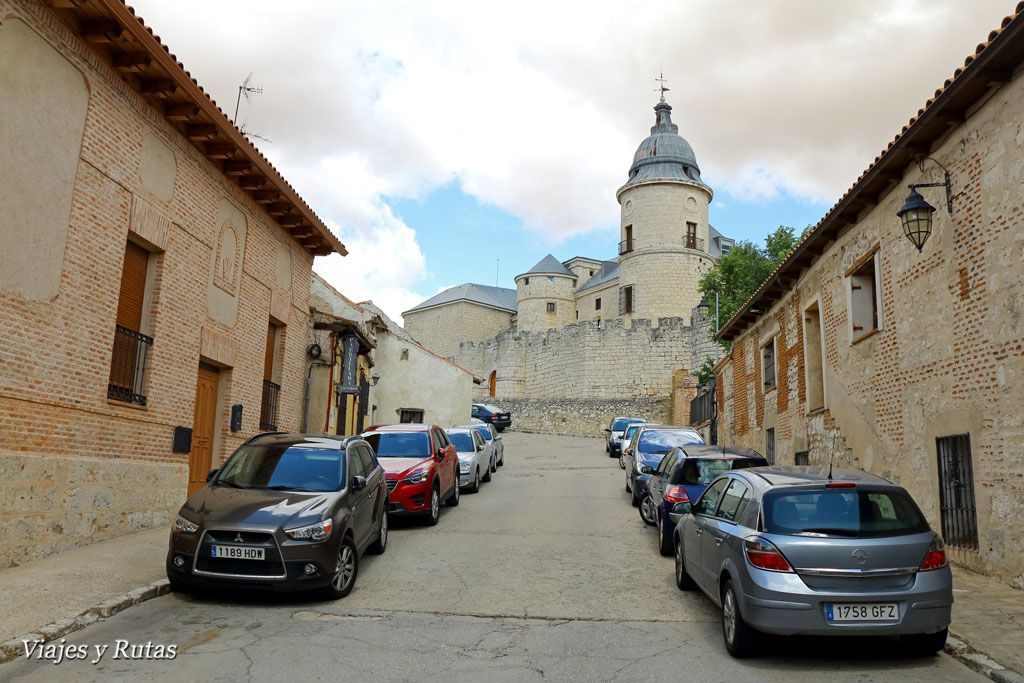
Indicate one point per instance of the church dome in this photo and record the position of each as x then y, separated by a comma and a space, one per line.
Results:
665, 153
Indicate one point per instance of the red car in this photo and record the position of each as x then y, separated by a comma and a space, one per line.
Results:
421, 467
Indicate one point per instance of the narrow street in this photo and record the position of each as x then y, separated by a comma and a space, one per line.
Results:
546, 574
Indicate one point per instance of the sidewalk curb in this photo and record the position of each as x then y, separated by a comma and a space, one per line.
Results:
983, 664
15, 647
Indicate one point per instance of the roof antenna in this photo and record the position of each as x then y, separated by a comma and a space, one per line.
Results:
832, 454
496, 266
663, 89
246, 90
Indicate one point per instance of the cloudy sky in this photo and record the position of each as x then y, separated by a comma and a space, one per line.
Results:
448, 142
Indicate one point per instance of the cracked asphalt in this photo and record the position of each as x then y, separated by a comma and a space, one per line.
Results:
547, 574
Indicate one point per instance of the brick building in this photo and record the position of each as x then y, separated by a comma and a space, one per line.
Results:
904, 362
154, 275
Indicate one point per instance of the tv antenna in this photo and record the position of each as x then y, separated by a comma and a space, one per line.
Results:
248, 91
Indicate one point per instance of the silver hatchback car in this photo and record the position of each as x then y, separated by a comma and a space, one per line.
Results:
805, 550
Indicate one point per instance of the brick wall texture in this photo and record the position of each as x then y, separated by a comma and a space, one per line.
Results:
76, 466
947, 357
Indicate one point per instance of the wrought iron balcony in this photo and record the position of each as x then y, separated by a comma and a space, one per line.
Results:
691, 242
626, 246
268, 407
128, 365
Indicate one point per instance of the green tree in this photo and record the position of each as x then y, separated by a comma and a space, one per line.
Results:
739, 273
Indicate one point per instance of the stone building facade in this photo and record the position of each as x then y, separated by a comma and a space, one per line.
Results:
864, 350
144, 289
465, 313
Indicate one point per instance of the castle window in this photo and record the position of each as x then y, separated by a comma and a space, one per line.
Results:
625, 299
597, 304
863, 296
691, 235
591, 272
526, 281
768, 364
626, 245
551, 279
551, 307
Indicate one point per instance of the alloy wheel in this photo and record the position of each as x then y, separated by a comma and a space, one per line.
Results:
435, 503
383, 529
679, 563
729, 615
346, 568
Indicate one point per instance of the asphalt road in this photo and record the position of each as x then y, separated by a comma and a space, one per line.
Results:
546, 574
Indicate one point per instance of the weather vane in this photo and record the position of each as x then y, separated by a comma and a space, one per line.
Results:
663, 89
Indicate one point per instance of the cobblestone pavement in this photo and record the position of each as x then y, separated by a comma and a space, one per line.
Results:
546, 574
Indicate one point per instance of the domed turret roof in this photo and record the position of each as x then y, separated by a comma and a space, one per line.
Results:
665, 153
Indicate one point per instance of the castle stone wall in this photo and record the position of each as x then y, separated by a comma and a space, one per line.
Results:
532, 300
441, 328
578, 417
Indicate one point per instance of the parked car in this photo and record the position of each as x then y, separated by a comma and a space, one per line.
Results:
614, 431
681, 477
492, 415
285, 512
649, 445
491, 436
476, 458
811, 551
627, 436
421, 467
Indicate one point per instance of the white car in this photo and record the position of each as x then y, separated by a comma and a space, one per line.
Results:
476, 457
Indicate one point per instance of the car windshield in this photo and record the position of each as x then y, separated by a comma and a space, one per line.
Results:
463, 441
399, 444
664, 440
849, 513
630, 431
620, 424
290, 468
703, 472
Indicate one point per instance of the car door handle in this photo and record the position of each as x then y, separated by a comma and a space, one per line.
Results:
698, 531
719, 539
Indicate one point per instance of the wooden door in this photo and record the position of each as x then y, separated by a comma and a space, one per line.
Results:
203, 425
494, 376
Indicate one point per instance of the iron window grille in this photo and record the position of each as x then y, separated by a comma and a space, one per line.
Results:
956, 492
769, 445
626, 245
768, 362
410, 416
268, 406
128, 365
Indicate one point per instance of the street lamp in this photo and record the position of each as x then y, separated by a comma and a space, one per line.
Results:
703, 308
916, 214
374, 378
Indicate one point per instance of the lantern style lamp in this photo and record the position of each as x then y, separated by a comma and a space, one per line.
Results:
916, 214
703, 308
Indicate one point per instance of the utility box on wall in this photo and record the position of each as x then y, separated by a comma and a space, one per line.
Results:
236, 417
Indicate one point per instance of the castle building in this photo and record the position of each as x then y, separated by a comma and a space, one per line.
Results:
635, 308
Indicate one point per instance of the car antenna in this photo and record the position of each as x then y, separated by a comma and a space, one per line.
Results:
831, 456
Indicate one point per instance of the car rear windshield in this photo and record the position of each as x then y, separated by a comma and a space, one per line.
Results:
293, 468
399, 444
664, 440
851, 513
484, 432
463, 442
703, 472
493, 409
620, 424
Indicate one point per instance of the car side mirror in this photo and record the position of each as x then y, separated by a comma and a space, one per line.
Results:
683, 508
607, 429
440, 454
358, 483
646, 470
498, 437
212, 474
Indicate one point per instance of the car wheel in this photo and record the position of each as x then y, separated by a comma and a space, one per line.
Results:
345, 572
487, 472
494, 463
634, 498
453, 500
381, 544
664, 540
622, 462
501, 463
925, 643
683, 580
740, 639
475, 486
434, 512
647, 511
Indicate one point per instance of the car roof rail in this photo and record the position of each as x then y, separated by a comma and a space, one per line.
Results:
260, 436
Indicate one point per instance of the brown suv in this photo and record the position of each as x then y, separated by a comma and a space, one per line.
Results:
285, 512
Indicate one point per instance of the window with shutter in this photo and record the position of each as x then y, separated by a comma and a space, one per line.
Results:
131, 347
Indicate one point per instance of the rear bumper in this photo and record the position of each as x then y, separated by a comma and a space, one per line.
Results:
780, 603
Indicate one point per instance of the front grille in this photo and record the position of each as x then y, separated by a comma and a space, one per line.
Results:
392, 483
271, 566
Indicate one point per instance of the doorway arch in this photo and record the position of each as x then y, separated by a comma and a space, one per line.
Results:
492, 380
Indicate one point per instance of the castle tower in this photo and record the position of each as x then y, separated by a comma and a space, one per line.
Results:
665, 241
544, 296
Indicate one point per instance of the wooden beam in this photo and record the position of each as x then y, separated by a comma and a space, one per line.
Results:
279, 208
64, 4
251, 182
266, 196
181, 111
994, 76
321, 250
201, 131
291, 219
300, 231
132, 61
949, 117
236, 167
219, 150
157, 87
100, 31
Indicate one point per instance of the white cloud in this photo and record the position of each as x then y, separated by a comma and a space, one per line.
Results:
536, 107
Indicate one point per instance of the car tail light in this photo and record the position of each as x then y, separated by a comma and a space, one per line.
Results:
494, 418
840, 485
676, 494
936, 556
764, 555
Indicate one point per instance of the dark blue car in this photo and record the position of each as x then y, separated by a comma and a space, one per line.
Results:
652, 443
681, 477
